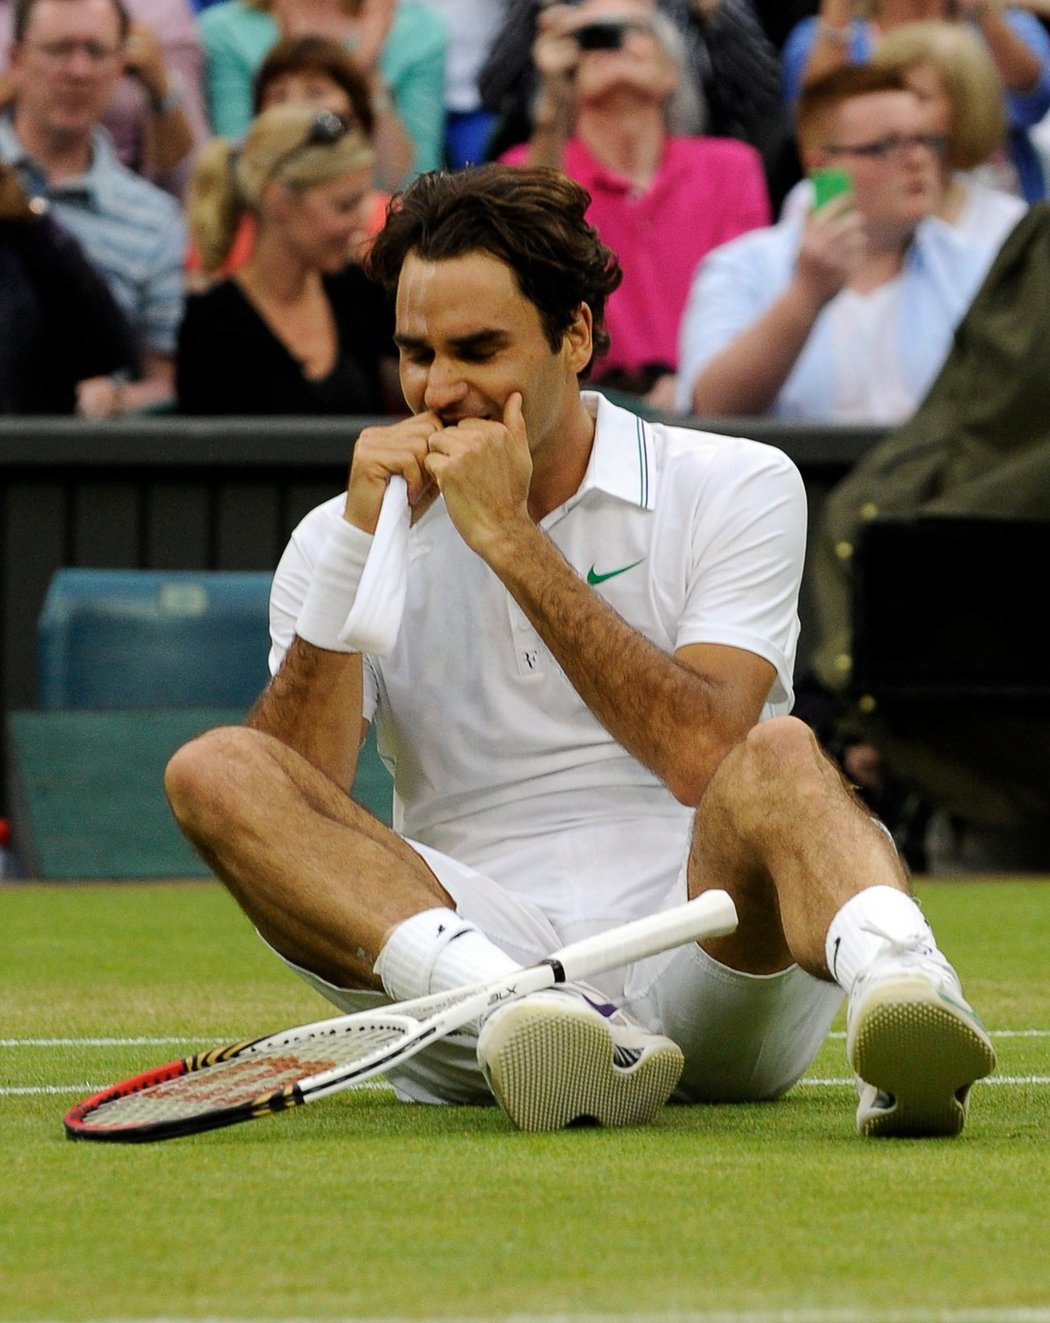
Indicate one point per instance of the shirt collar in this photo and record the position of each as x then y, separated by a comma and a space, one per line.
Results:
621, 462
11, 150
93, 184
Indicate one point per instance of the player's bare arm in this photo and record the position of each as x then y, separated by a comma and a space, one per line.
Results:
313, 703
678, 715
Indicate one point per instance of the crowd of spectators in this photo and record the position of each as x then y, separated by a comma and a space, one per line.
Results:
805, 196
686, 120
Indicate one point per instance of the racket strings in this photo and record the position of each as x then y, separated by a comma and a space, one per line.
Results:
257, 1076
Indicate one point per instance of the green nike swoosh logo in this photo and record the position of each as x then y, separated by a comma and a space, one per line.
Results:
593, 577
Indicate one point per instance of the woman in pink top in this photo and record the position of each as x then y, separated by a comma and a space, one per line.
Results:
617, 112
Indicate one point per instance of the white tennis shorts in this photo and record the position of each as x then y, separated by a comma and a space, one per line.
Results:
746, 1037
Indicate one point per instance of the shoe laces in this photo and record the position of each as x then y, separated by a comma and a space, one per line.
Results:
916, 946
915, 943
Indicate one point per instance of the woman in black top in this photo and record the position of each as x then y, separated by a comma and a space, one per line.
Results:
295, 330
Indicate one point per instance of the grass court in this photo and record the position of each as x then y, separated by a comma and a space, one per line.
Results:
361, 1208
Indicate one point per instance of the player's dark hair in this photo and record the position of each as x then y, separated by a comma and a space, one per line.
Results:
532, 219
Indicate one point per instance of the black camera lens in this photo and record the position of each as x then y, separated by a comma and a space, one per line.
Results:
607, 36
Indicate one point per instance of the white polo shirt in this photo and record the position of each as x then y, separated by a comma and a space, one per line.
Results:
691, 538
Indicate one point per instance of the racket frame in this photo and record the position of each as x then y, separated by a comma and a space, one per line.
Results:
422, 1021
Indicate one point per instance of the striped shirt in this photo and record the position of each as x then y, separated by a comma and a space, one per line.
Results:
131, 230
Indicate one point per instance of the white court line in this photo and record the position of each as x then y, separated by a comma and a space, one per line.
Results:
229, 1038
30, 1090
38, 1090
846, 1081
991, 1079
917, 1314
100, 1042
994, 1033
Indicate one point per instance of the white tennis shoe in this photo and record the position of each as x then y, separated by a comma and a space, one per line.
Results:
915, 1045
560, 1056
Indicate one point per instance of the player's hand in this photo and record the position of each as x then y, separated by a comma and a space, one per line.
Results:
834, 243
381, 452
483, 469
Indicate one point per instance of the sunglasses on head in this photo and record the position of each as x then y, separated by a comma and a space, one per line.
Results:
327, 128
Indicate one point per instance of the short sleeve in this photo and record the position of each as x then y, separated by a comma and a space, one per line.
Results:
748, 551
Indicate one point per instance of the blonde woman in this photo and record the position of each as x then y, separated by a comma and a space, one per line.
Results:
950, 70
399, 47
295, 330
848, 32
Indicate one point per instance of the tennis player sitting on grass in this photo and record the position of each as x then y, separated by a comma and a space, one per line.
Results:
585, 710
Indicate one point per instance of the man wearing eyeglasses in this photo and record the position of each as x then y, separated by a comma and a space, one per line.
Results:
66, 61
848, 316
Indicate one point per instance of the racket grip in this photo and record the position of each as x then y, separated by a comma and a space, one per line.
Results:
711, 914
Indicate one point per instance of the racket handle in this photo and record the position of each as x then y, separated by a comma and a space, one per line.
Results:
711, 914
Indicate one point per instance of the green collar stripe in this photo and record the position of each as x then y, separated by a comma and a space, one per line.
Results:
643, 465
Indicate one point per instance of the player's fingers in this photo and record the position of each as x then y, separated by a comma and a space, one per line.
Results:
514, 417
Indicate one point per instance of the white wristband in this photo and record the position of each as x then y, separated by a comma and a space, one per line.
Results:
333, 587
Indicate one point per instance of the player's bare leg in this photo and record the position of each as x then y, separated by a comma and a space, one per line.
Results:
336, 892
324, 882
782, 832
817, 882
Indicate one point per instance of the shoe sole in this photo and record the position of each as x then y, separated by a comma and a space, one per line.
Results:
584, 1084
907, 1042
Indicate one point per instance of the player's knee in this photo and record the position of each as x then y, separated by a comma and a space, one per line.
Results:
784, 750
196, 772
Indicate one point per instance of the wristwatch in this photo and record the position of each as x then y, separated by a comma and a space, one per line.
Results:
171, 100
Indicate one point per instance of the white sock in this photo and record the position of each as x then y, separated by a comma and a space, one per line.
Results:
437, 950
851, 944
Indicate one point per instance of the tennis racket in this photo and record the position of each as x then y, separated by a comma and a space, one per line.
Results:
260, 1076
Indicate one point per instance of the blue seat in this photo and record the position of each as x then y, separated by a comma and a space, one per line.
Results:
112, 640
132, 663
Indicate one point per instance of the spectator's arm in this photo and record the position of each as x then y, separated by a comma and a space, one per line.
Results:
155, 386
1018, 64
555, 55
395, 151
826, 46
748, 375
168, 135
186, 65
106, 397
160, 314
394, 148
737, 349
1028, 106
